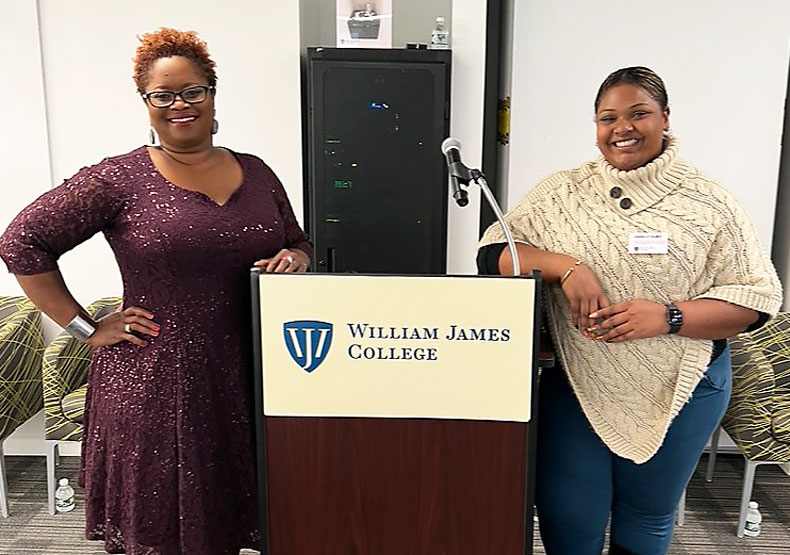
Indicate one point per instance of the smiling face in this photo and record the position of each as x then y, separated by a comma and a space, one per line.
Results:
630, 126
181, 127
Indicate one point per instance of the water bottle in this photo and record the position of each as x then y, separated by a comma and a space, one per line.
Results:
440, 36
753, 520
64, 496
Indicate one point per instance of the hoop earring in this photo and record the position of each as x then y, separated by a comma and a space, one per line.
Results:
214, 127
151, 136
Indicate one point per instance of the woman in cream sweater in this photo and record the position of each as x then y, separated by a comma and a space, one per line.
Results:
650, 266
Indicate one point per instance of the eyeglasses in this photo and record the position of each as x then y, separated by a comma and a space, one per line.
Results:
190, 95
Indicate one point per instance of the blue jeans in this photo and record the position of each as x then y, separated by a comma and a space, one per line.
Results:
580, 482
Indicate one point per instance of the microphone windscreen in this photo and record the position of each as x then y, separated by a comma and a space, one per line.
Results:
450, 142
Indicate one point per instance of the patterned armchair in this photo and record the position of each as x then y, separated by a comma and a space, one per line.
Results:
758, 417
21, 347
66, 363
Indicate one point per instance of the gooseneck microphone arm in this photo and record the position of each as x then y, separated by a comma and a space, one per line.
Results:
480, 179
460, 175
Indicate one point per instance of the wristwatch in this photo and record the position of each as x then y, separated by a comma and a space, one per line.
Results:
674, 318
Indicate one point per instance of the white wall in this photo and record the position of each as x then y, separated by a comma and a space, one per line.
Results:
24, 162
466, 125
93, 109
725, 64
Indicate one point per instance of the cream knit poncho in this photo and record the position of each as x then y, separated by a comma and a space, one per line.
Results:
631, 391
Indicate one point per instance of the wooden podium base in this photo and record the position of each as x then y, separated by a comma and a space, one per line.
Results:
343, 486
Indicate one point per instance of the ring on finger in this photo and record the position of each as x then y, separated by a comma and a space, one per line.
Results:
127, 328
290, 259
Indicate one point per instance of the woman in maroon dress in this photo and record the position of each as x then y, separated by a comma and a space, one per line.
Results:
168, 455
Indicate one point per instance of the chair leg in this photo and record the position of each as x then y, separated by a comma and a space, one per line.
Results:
52, 456
3, 485
714, 448
746, 495
681, 510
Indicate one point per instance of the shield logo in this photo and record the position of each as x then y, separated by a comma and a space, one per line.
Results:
308, 342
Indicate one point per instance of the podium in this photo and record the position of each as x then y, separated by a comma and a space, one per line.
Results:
394, 414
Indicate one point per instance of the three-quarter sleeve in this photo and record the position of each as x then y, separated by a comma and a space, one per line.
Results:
59, 220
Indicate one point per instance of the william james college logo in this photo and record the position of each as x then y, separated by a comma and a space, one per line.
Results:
308, 342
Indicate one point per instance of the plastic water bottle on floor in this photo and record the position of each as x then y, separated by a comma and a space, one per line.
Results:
64, 496
753, 520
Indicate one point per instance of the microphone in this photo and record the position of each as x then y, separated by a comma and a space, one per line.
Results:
451, 148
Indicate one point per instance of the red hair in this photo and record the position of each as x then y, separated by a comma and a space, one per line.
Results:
164, 43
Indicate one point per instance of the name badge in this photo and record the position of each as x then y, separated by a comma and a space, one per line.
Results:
648, 243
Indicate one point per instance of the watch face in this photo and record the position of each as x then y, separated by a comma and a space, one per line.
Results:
674, 318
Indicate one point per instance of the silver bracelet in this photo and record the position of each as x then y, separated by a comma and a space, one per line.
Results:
80, 327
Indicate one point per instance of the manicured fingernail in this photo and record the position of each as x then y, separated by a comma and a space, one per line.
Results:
593, 315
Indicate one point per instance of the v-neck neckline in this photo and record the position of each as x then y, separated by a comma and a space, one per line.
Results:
201, 194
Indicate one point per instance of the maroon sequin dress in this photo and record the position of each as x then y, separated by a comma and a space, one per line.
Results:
168, 452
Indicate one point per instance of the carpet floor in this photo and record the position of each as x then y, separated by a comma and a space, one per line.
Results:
711, 513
